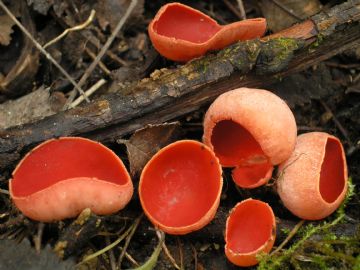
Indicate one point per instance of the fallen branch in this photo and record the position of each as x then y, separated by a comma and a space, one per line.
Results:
168, 94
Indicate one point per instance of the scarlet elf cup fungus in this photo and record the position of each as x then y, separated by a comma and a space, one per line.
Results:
61, 177
180, 187
250, 231
251, 130
312, 183
181, 33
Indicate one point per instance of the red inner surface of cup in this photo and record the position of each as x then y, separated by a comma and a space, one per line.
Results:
249, 226
248, 176
234, 145
64, 159
332, 179
183, 23
181, 184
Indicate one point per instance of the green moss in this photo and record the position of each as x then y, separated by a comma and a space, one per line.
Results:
330, 251
285, 47
319, 39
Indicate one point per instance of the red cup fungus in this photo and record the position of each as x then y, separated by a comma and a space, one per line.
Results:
180, 187
181, 33
312, 183
251, 130
61, 177
250, 231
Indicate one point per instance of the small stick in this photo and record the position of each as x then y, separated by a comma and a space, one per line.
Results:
107, 248
170, 257
128, 239
103, 50
232, 8
38, 237
111, 254
337, 122
101, 64
242, 9
88, 93
72, 29
195, 257
180, 253
288, 238
286, 9
42, 50
4, 191
130, 258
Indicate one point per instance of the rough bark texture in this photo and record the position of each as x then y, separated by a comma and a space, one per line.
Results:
168, 94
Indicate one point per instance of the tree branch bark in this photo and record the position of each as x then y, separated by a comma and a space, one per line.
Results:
168, 94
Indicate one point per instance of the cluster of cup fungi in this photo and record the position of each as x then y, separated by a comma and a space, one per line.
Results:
249, 130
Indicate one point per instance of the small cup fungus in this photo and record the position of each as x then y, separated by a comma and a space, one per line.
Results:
181, 33
180, 187
251, 130
250, 231
312, 183
61, 177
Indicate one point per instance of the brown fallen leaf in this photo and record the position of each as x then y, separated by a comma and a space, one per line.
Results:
6, 23
30, 108
278, 19
41, 6
6, 30
19, 63
144, 143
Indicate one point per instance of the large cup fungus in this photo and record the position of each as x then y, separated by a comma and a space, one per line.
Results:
250, 231
181, 33
61, 177
312, 183
251, 130
180, 187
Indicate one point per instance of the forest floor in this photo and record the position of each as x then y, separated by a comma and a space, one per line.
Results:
324, 97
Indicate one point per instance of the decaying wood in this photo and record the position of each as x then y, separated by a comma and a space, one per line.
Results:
168, 94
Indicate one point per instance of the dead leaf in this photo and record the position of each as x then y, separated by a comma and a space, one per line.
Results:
41, 6
109, 12
15, 255
6, 23
30, 108
144, 143
278, 19
19, 69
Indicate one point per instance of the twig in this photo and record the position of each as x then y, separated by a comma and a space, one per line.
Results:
286, 9
103, 50
38, 237
128, 239
344, 66
232, 8
130, 258
337, 123
107, 248
72, 29
101, 64
88, 93
242, 9
4, 191
111, 254
195, 257
352, 90
42, 50
288, 238
357, 77
306, 128
170, 257
180, 253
